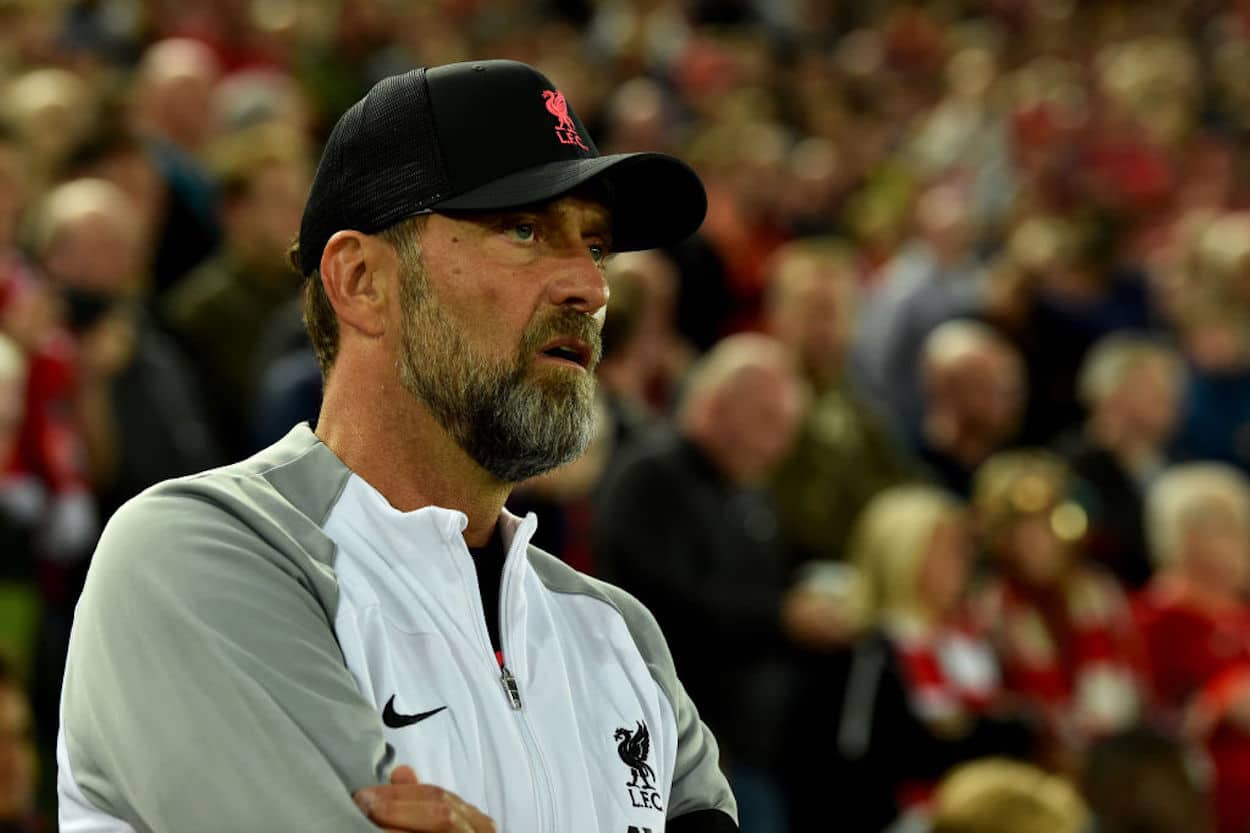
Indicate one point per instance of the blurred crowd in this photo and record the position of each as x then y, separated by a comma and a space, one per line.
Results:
929, 451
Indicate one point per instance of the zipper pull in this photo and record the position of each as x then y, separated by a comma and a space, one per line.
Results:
510, 687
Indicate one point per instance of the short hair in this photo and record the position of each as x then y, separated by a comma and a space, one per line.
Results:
1111, 359
725, 360
319, 317
890, 541
68, 202
1018, 483
1181, 493
996, 795
1222, 249
953, 340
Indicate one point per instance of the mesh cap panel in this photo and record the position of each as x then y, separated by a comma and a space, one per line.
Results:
380, 165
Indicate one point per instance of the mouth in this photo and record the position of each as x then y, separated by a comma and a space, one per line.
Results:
567, 350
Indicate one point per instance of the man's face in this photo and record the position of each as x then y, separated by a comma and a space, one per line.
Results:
500, 332
987, 394
758, 415
1149, 401
96, 252
261, 221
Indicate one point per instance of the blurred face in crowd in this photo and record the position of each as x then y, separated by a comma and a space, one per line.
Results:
984, 391
942, 221
812, 316
263, 220
1216, 549
500, 334
177, 91
17, 754
944, 572
96, 252
755, 416
1033, 552
1147, 401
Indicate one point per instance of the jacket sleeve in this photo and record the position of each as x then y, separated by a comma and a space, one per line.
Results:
700, 801
205, 690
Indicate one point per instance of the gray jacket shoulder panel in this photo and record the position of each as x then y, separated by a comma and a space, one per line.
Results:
698, 783
205, 689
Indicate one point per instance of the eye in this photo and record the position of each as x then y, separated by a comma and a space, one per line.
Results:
599, 253
523, 232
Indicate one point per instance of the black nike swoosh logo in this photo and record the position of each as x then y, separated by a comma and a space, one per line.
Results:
395, 720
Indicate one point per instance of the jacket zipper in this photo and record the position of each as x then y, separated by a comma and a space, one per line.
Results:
510, 687
538, 762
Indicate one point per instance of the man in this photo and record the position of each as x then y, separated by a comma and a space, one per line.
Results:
1131, 385
974, 390
172, 110
264, 174
686, 523
135, 396
845, 452
260, 644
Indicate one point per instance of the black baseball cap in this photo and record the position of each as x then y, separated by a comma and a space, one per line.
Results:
482, 136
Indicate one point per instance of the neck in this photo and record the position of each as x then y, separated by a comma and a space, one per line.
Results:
388, 438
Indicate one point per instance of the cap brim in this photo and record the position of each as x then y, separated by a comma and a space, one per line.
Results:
657, 200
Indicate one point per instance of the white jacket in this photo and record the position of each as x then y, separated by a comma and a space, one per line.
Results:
258, 642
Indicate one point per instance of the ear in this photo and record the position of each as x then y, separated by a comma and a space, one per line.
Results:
359, 274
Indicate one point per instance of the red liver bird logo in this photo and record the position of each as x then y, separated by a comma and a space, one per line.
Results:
566, 130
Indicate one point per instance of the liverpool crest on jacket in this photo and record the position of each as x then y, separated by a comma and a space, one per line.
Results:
634, 746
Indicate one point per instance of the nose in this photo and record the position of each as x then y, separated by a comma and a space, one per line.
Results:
580, 284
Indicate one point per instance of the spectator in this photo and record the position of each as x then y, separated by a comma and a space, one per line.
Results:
654, 355
1131, 386
1061, 626
1143, 781
996, 796
264, 178
745, 175
52, 110
974, 399
173, 112
1215, 338
627, 357
1074, 289
925, 679
935, 277
845, 452
141, 414
1195, 621
684, 523
117, 155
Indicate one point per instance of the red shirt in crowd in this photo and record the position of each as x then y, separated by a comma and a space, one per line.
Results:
1199, 668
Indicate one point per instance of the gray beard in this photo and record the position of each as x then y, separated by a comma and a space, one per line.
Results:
513, 426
